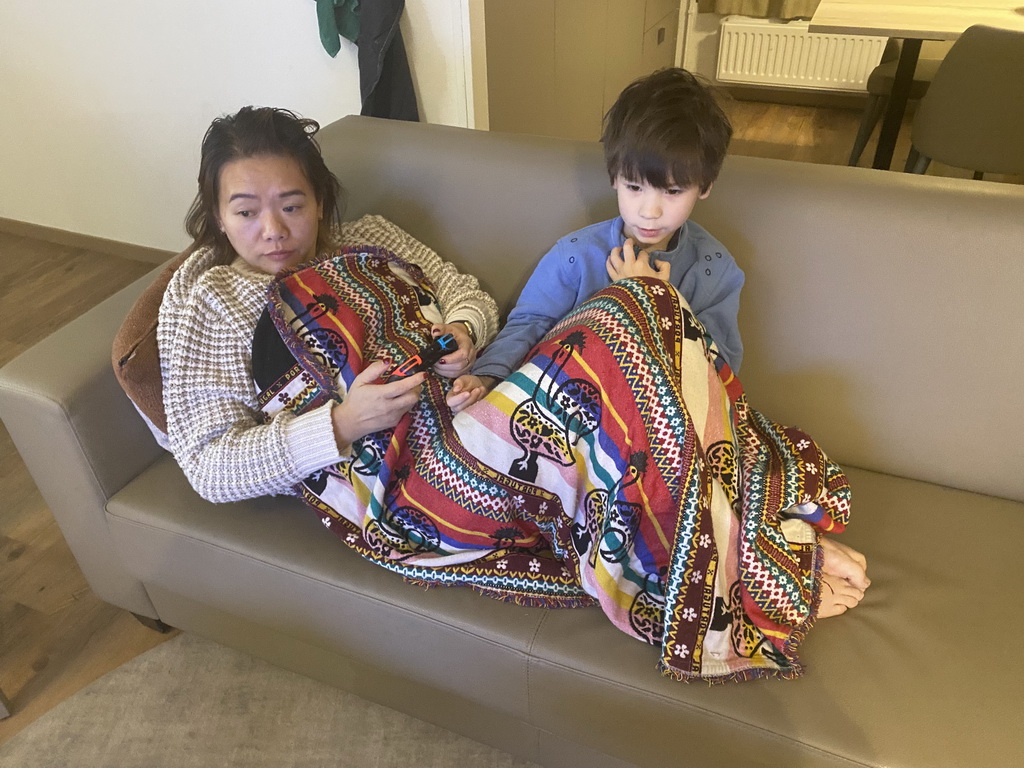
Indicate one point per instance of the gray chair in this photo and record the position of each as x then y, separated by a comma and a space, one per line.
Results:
973, 114
879, 86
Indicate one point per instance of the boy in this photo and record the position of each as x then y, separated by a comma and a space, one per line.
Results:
664, 142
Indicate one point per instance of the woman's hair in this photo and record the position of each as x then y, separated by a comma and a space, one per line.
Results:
666, 128
260, 132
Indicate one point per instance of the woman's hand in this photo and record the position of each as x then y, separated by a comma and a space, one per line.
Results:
456, 363
370, 407
467, 390
628, 262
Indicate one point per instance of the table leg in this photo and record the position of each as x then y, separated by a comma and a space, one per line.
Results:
897, 104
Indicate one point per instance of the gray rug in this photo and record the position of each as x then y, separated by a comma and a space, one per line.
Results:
190, 703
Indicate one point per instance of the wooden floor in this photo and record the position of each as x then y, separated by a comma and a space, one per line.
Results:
820, 135
55, 635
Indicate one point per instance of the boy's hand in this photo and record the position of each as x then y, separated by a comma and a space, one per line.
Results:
465, 391
628, 262
456, 363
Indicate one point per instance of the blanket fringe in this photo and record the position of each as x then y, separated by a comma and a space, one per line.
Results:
796, 637
517, 598
740, 676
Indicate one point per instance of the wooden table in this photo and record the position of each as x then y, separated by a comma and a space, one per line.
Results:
913, 21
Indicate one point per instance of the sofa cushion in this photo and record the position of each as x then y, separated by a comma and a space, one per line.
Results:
917, 676
135, 356
572, 673
272, 561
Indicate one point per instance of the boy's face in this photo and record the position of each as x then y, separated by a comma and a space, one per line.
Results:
652, 215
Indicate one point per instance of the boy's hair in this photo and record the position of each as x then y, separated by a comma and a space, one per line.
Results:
259, 132
664, 129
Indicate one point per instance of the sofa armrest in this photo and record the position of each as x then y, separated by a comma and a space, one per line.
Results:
81, 438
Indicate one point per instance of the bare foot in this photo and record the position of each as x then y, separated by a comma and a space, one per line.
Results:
844, 578
837, 596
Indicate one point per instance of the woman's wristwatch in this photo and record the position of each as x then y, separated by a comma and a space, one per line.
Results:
469, 330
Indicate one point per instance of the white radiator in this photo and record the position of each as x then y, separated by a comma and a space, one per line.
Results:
776, 53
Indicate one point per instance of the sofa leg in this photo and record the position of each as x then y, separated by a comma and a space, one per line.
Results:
5, 706
154, 624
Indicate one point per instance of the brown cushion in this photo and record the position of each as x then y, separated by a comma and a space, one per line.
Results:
135, 356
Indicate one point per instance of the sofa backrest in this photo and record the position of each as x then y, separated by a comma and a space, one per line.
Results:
882, 311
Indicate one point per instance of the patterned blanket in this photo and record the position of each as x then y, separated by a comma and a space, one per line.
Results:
619, 466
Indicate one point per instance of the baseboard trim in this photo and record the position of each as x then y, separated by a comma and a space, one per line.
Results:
88, 242
803, 97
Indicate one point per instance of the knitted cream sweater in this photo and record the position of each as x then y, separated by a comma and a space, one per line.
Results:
207, 320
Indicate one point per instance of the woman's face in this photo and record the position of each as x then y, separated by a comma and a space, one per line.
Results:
269, 212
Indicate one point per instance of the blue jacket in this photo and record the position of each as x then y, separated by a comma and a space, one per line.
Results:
574, 270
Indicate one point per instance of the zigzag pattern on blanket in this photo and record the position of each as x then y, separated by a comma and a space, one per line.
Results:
619, 465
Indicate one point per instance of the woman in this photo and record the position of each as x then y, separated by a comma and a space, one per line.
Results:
266, 204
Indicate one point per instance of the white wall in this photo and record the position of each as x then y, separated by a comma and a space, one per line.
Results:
700, 54
437, 38
103, 104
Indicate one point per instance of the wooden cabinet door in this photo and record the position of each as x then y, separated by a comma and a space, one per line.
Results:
554, 67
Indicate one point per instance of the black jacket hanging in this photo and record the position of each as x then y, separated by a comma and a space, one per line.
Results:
385, 82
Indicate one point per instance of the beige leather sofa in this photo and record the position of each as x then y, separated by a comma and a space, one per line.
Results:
883, 313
